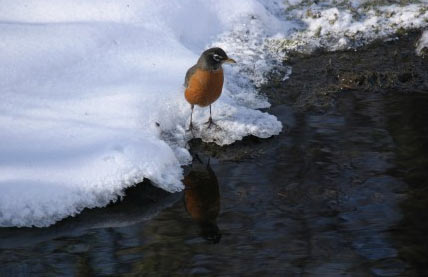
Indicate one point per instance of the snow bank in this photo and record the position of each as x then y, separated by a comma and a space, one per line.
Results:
92, 98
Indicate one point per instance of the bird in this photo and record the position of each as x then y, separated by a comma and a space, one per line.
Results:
204, 81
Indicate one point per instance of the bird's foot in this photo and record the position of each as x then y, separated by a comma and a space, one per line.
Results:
210, 123
190, 129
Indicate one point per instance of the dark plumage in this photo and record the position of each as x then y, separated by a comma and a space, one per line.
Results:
204, 80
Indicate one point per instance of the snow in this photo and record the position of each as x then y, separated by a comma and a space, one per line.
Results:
85, 86
340, 24
92, 97
422, 44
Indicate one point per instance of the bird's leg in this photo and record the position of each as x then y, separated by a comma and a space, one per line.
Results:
210, 120
191, 113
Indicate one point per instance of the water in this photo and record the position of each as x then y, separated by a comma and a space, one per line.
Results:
340, 193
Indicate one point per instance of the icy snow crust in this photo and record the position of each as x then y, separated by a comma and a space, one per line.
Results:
92, 97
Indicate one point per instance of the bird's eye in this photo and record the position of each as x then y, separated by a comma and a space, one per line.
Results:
216, 57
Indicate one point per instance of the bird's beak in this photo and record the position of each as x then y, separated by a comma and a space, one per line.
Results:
229, 60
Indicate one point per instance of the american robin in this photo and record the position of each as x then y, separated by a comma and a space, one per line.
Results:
204, 80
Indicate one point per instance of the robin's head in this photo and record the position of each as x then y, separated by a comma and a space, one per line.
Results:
213, 58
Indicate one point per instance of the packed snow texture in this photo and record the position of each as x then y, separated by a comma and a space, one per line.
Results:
92, 96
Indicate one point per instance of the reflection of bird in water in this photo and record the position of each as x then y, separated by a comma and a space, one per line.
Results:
202, 199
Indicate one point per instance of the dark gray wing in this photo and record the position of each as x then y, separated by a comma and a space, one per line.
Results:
189, 74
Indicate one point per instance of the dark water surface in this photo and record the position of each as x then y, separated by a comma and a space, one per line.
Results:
343, 192
340, 193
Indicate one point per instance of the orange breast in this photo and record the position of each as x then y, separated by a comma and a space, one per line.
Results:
204, 87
